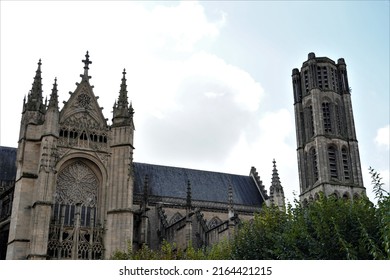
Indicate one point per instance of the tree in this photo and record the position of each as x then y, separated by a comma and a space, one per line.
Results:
327, 228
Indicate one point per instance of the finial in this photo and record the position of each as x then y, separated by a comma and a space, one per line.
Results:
86, 66
131, 110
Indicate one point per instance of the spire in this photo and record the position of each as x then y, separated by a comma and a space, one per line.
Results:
122, 100
53, 102
275, 177
122, 112
86, 61
34, 99
276, 189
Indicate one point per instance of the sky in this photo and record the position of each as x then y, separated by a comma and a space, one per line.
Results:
210, 81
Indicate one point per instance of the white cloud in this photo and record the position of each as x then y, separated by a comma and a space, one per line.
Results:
183, 25
383, 137
192, 108
199, 120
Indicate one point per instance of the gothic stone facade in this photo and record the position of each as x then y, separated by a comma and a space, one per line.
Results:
77, 194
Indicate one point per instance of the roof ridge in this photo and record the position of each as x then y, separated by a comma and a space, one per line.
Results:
193, 169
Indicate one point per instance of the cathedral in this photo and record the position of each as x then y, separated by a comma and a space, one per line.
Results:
71, 189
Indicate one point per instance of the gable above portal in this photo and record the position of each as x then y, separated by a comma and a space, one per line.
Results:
82, 109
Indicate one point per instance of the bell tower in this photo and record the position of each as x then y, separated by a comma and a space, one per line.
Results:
327, 147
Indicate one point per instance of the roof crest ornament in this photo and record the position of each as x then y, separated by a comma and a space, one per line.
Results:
86, 62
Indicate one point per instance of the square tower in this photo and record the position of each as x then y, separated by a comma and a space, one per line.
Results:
328, 153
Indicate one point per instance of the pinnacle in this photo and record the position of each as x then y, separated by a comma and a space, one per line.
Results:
34, 100
189, 195
53, 102
275, 175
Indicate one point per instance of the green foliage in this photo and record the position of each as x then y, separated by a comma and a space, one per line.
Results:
382, 210
167, 251
327, 228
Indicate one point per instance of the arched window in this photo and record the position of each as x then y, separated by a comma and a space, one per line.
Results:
326, 115
302, 123
74, 231
214, 222
332, 158
308, 115
338, 119
346, 195
83, 136
306, 81
345, 156
314, 164
311, 119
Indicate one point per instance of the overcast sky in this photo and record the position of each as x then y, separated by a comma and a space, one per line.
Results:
210, 81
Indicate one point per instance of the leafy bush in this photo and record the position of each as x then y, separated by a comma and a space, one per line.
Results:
327, 228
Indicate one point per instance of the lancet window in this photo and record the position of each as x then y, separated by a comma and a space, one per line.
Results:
332, 157
314, 164
214, 222
344, 155
326, 117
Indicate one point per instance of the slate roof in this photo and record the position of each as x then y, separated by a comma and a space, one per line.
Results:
7, 163
168, 181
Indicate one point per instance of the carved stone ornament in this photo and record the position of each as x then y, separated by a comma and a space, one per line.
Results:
77, 184
84, 100
103, 157
82, 121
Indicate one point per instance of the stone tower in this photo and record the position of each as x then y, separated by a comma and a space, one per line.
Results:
74, 186
328, 153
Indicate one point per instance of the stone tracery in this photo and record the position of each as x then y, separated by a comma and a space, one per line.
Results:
74, 230
77, 184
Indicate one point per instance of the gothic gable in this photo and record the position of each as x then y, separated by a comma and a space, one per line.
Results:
82, 109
